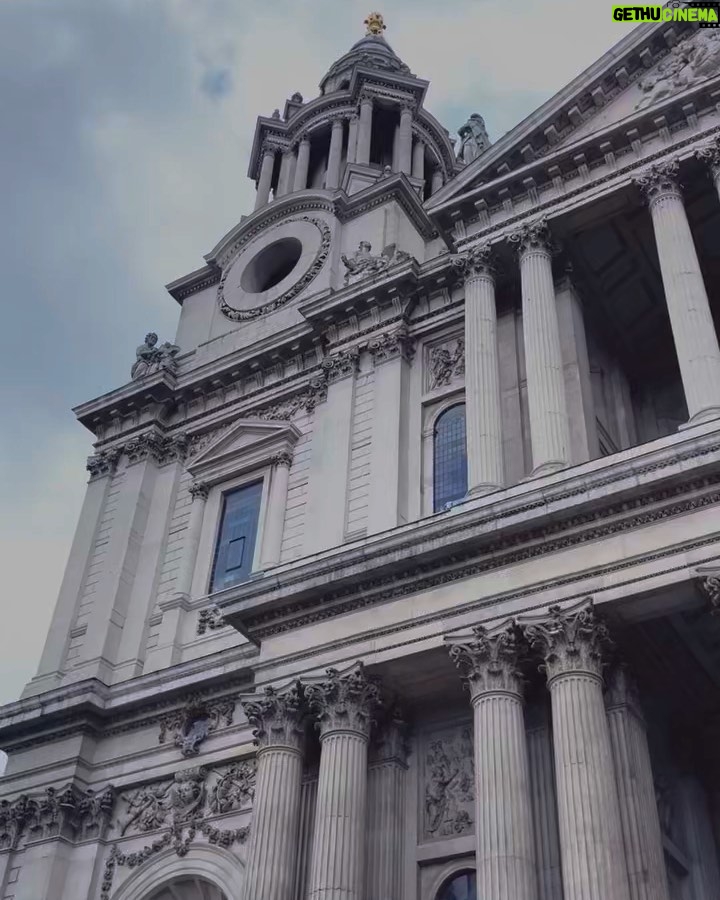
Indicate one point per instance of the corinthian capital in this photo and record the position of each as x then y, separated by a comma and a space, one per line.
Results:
659, 180
488, 660
277, 717
571, 641
710, 155
344, 702
532, 236
477, 261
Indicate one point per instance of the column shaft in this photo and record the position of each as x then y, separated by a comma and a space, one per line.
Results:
482, 375
265, 181
544, 805
692, 323
303, 163
405, 140
418, 160
332, 179
186, 569
352, 138
549, 432
636, 790
436, 182
277, 505
284, 179
365, 131
386, 802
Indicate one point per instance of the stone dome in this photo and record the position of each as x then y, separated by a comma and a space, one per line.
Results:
371, 51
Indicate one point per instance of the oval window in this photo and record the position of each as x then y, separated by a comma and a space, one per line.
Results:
271, 265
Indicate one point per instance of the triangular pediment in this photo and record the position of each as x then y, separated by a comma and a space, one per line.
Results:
652, 66
242, 446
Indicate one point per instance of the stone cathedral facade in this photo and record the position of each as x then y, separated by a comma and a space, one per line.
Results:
398, 571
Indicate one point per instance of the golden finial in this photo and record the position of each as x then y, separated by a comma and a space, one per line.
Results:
374, 23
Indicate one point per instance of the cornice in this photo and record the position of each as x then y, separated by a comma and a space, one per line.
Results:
193, 283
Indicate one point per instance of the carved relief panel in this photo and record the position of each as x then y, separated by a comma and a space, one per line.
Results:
444, 363
447, 783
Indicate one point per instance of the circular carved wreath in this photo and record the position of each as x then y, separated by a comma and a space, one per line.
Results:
322, 254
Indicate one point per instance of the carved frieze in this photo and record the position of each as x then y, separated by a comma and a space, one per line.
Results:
449, 783
194, 721
690, 61
445, 363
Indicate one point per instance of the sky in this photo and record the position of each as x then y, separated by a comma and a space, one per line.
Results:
127, 126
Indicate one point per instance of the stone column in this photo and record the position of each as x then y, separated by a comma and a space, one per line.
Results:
696, 341
332, 178
364, 130
636, 790
483, 405
285, 177
266, 174
277, 505
405, 139
711, 156
418, 160
549, 432
303, 163
352, 137
591, 840
436, 182
386, 811
344, 705
505, 855
277, 719
544, 802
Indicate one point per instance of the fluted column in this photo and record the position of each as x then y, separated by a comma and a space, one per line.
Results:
483, 407
303, 163
710, 155
636, 791
549, 431
418, 160
344, 705
405, 139
696, 341
364, 130
386, 811
277, 720
332, 179
504, 856
352, 137
591, 841
266, 174
436, 182
544, 804
183, 583
277, 506
285, 176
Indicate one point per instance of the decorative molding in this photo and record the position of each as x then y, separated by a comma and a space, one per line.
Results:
210, 619
659, 180
277, 717
237, 315
344, 702
103, 463
390, 345
158, 447
195, 721
488, 660
341, 364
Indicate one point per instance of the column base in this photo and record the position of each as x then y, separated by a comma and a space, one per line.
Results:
547, 468
700, 418
480, 490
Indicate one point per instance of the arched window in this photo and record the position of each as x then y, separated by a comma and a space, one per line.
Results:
460, 886
449, 457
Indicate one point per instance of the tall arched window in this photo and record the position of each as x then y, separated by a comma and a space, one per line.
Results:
460, 886
449, 457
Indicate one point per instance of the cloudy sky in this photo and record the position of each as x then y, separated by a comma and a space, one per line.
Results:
126, 131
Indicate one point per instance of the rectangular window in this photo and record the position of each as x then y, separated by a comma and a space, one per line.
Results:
236, 542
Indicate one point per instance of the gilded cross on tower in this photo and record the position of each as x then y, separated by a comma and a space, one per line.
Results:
374, 23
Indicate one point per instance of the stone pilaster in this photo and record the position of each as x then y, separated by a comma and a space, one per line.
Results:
386, 810
405, 139
483, 406
352, 137
285, 176
199, 493
332, 179
364, 137
277, 719
303, 164
544, 804
549, 431
436, 182
418, 160
344, 705
696, 341
636, 790
593, 859
277, 505
266, 174
505, 856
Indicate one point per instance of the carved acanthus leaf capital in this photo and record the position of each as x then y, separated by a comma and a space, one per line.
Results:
571, 641
277, 717
199, 490
344, 702
284, 458
341, 364
532, 236
710, 155
709, 585
476, 262
659, 180
391, 345
488, 660
103, 463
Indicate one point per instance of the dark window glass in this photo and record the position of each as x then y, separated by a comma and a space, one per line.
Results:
449, 457
236, 542
459, 887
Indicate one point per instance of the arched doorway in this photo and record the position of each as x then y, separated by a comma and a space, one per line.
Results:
191, 888
459, 886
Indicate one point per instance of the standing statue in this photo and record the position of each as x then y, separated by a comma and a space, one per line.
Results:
149, 358
474, 139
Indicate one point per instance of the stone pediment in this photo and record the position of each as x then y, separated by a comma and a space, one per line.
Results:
652, 65
246, 444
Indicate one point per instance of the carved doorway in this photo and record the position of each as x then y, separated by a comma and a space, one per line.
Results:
191, 888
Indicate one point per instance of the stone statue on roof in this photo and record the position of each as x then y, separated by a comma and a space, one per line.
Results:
474, 139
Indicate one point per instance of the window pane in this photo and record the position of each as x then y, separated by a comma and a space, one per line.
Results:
236, 542
449, 457
461, 887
